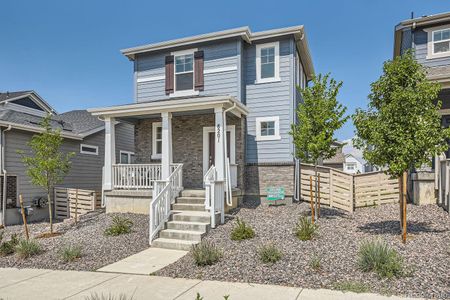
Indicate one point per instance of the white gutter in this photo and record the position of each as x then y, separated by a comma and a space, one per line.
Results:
2, 154
225, 145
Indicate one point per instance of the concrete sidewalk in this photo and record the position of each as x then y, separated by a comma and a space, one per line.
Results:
37, 284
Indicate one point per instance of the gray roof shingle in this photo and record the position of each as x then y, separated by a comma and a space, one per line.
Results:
9, 95
81, 120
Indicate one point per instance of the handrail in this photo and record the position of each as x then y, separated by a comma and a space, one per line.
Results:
214, 195
164, 195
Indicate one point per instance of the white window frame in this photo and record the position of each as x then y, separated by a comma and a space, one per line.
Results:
192, 92
276, 77
128, 153
155, 155
352, 164
275, 137
430, 43
88, 146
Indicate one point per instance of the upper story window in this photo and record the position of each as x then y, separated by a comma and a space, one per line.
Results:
441, 41
267, 128
184, 72
438, 42
88, 149
268, 62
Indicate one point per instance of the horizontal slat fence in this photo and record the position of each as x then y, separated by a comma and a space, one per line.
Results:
346, 191
66, 202
375, 188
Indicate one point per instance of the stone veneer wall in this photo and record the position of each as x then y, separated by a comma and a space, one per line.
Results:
258, 177
187, 144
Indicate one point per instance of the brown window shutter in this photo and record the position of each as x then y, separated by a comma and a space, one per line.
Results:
169, 74
199, 78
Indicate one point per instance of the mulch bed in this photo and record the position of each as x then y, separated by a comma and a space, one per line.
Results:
97, 249
426, 254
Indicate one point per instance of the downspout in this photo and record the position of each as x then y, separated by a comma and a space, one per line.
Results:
4, 174
225, 145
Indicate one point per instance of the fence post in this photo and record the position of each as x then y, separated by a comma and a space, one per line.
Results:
24, 218
352, 194
331, 188
76, 206
311, 198
318, 195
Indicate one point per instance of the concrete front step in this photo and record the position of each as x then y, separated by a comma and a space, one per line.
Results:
188, 207
173, 244
193, 193
189, 226
191, 216
191, 200
181, 235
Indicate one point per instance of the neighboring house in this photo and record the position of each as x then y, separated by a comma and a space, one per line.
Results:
187, 90
20, 116
337, 161
353, 164
429, 37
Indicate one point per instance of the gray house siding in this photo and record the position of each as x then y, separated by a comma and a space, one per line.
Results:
150, 71
421, 49
86, 169
270, 99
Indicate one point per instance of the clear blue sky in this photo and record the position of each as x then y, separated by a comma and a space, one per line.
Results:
68, 51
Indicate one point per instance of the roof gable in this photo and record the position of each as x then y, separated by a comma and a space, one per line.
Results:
27, 100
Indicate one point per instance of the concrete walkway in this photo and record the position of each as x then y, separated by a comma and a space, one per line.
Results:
37, 284
145, 262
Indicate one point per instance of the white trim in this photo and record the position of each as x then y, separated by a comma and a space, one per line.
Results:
232, 141
154, 154
150, 78
276, 77
270, 137
430, 42
183, 52
183, 93
128, 153
220, 70
88, 146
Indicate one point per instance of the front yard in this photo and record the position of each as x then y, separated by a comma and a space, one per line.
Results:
329, 260
96, 248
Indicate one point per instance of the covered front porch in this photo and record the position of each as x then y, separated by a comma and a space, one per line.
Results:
183, 135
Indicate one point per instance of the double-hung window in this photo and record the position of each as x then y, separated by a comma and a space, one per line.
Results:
184, 71
126, 157
267, 128
438, 42
268, 62
156, 140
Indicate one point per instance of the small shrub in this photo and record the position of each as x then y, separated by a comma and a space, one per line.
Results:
315, 261
305, 230
27, 248
8, 247
242, 231
206, 253
378, 257
198, 297
269, 254
352, 286
120, 225
96, 296
70, 253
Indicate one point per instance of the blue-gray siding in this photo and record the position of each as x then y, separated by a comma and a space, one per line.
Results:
216, 55
270, 99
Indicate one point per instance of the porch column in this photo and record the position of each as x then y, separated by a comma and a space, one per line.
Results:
219, 148
166, 155
110, 153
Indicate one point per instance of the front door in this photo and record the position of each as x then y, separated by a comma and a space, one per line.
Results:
212, 152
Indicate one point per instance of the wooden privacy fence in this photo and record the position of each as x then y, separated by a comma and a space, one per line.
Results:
346, 191
67, 204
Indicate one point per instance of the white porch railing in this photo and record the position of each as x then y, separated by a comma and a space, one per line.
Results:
137, 176
164, 194
444, 183
214, 195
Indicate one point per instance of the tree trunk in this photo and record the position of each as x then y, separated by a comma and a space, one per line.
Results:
315, 191
400, 201
404, 194
50, 210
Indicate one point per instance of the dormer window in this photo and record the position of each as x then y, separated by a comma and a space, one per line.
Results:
268, 62
438, 42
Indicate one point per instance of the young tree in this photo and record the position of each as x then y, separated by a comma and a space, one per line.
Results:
401, 129
318, 117
47, 165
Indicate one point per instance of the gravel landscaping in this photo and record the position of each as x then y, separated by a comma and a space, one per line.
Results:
426, 254
97, 250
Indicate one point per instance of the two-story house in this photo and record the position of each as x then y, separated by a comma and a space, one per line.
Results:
429, 38
21, 113
216, 106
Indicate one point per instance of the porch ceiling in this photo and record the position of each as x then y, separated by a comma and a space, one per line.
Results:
179, 105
